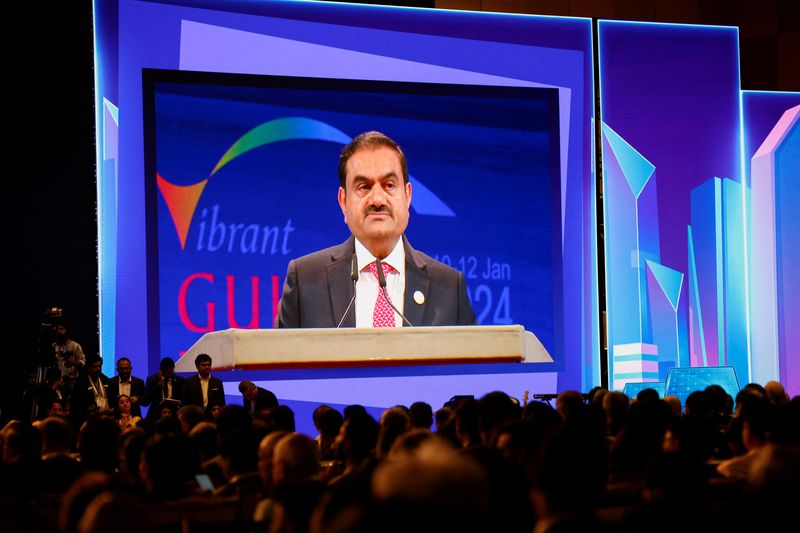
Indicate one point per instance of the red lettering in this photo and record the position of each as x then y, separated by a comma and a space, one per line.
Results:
276, 295
183, 311
232, 307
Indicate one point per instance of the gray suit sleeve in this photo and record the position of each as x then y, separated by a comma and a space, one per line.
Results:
466, 316
289, 307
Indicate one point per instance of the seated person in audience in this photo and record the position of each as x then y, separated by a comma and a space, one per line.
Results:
295, 464
206, 441
776, 393
212, 411
168, 467
442, 417
355, 445
281, 417
327, 421
674, 403
189, 416
167, 409
615, 405
266, 452
125, 418
445, 486
421, 415
239, 461
568, 478
20, 467
57, 408
59, 468
112, 507
97, 444
394, 422
753, 410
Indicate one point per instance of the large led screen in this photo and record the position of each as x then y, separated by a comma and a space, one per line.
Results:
674, 200
245, 178
772, 164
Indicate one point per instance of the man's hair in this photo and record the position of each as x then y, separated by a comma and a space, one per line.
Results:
167, 362
245, 386
191, 414
202, 358
56, 433
369, 140
121, 359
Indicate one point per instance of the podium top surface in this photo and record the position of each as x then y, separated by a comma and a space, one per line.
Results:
324, 347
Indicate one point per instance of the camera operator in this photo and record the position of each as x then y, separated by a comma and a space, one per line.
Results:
69, 357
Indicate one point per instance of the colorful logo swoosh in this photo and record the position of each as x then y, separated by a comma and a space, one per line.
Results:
182, 200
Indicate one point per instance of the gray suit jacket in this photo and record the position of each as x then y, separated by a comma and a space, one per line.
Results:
318, 288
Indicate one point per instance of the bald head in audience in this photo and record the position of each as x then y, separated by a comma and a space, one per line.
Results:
776, 393
296, 459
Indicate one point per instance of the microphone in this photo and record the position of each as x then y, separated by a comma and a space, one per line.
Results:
382, 285
354, 278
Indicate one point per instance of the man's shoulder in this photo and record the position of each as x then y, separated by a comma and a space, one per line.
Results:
326, 255
434, 266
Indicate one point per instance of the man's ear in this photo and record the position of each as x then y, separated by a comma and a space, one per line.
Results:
342, 203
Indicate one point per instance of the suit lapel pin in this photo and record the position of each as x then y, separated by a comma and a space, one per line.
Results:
419, 297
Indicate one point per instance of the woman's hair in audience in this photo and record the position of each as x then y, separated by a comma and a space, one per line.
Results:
394, 422
191, 415
327, 420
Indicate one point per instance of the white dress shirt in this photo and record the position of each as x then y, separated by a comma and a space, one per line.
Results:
367, 287
204, 388
124, 387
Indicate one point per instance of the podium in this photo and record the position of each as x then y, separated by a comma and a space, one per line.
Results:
258, 349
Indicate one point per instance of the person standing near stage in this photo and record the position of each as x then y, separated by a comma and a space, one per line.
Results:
128, 385
203, 388
255, 398
163, 385
69, 357
374, 196
90, 394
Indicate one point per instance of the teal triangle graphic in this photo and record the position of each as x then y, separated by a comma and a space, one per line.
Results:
636, 168
111, 108
670, 281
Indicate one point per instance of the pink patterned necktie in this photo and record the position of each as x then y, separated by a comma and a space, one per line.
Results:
383, 315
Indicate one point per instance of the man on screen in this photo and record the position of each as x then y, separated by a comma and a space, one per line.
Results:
375, 196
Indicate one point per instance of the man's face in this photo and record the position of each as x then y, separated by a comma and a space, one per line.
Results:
204, 369
96, 369
250, 394
168, 372
375, 200
124, 370
55, 409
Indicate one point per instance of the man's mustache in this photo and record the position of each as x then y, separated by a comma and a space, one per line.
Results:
378, 209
